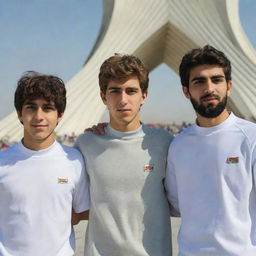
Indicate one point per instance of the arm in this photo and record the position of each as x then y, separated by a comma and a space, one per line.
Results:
81, 194
77, 217
170, 184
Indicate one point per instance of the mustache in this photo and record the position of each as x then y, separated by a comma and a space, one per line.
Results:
210, 95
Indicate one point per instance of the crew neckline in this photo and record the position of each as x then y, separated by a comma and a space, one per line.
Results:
140, 132
227, 122
31, 152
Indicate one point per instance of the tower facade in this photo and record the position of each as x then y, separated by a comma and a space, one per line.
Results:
158, 32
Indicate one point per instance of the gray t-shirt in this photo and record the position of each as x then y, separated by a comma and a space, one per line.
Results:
129, 213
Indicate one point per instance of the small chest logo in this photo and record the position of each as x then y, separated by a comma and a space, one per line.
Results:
62, 180
232, 160
148, 168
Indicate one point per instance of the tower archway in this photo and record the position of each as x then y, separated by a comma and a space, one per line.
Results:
157, 31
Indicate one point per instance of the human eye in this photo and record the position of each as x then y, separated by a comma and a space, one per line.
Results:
49, 108
114, 90
131, 91
198, 82
30, 107
217, 80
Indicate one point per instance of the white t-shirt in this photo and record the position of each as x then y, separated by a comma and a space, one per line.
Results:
211, 180
37, 192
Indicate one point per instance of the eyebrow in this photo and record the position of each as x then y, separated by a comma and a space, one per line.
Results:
29, 103
218, 76
203, 78
118, 88
34, 104
113, 87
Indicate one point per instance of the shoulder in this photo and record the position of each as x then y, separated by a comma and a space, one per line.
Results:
9, 154
183, 136
247, 128
159, 135
164, 134
245, 124
70, 153
71, 159
86, 137
157, 131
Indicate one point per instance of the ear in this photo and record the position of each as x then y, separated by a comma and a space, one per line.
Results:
103, 97
144, 96
186, 92
229, 87
60, 116
18, 114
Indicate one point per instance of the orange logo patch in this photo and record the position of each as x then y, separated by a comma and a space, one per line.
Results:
62, 180
232, 160
148, 168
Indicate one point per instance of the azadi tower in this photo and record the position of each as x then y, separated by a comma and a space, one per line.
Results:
157, 31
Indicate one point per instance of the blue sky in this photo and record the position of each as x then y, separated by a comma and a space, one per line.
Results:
56, 36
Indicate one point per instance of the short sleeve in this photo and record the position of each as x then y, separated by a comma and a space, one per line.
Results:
81, 195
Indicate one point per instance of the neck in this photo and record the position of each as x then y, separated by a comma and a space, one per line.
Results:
37, 145
209, 122
125, 127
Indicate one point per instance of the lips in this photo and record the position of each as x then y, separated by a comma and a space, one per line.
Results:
39, 126
123, 110
210, 98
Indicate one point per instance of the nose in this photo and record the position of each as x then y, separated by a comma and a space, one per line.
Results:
123, 98
38, 114
209, 86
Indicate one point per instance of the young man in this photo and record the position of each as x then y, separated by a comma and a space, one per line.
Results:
40, 180
129, 213
211, 165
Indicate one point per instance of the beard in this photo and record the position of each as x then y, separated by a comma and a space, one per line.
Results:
210, 110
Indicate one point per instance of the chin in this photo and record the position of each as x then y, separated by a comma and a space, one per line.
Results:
41, 137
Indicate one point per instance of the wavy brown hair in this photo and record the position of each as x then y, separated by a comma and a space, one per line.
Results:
120, 68
33, 85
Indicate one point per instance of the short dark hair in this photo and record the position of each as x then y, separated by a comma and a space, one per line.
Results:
33, 85
120, 67
200, 56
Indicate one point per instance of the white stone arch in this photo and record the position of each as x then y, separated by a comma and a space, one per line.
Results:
157, 31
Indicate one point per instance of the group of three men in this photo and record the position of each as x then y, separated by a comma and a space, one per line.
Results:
128, 182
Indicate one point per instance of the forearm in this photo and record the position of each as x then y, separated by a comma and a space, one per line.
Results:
77, 217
